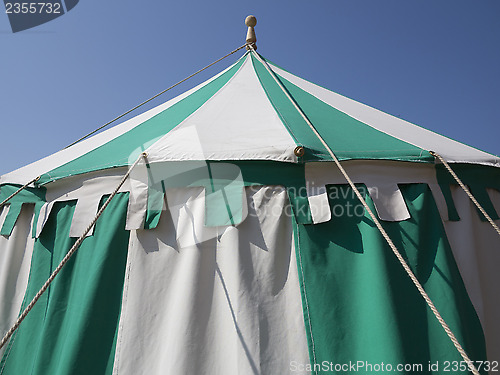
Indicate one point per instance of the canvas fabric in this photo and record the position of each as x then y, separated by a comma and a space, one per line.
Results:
170, 280
244, 114
15, 260
213, 300
72, 328
359, 303
269, 295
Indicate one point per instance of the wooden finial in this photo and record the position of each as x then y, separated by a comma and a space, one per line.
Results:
251, 21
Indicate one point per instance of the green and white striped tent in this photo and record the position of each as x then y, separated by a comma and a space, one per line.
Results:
237, 247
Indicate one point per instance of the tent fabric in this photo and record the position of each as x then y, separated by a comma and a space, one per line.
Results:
449, 149
12, 209
142, 211
228, 113
125, 149
381, 179
88, 194
169, 277
475, 247
478, 179
361, 304
15, 259
226, 252
227, 305
72, 328
201, 135
341, 132
18, 225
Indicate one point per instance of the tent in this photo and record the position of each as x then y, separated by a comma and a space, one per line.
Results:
231, 243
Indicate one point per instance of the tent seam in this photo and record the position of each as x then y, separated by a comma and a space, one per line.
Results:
123, 311
313, 347
23, 304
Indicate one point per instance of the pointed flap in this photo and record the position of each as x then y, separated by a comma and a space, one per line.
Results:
389, 202
10, 220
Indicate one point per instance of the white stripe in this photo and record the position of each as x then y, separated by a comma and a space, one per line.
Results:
237, 123
15, 261
228, 305
475, 246
451, 150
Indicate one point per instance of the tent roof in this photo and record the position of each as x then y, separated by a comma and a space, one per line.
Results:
243, 114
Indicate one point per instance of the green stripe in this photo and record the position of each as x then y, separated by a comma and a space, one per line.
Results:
291, 118
360, 305
349, 138
27, 195
10, 220
378, 110
72, 328
126, 148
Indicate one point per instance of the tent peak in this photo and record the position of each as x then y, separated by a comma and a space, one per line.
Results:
251, 21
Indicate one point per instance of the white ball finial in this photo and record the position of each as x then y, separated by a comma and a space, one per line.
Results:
251, 21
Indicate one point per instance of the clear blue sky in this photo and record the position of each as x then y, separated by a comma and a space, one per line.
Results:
434, 63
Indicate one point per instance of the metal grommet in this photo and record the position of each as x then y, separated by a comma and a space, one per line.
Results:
299, 151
